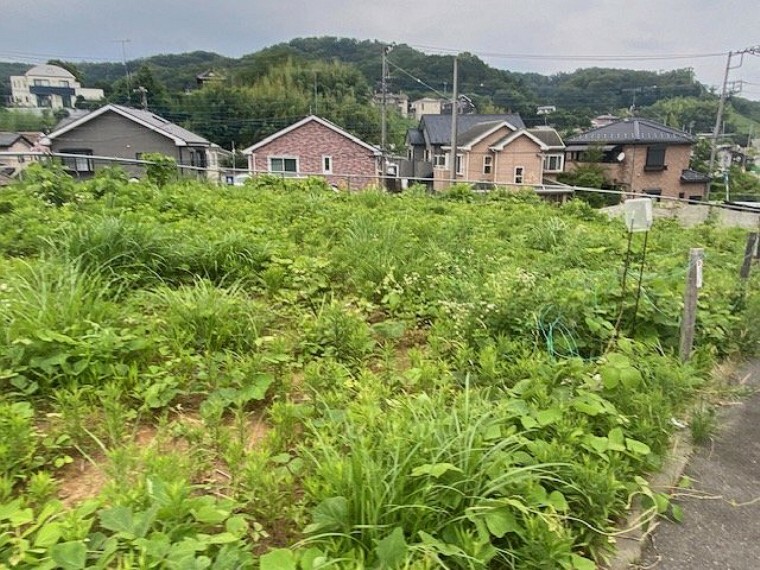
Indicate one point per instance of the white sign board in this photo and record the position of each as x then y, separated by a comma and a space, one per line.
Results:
638, 214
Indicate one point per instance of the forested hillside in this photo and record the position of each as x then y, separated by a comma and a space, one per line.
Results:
335, 77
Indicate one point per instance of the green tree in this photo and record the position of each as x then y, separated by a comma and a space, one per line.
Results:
157, 96
70, 67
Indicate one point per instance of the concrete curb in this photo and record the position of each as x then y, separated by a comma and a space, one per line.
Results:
630, 544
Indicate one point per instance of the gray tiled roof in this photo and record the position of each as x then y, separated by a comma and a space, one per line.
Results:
633, 131
476, 132
162, 124
692, 176
7, 139
438, 127
548, 136
414, 136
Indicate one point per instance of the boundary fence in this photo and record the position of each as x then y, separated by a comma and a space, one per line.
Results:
227, 176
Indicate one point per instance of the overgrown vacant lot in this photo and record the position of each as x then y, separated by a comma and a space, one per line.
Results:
287, 377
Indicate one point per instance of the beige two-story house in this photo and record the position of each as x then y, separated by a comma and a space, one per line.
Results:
641, 156
49, 87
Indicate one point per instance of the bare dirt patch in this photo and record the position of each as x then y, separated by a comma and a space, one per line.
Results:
80, 480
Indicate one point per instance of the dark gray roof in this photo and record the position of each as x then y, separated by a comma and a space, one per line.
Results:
438, 127
414, 137
692, 176
162, 124
7, 139
548, 136
477, 131
633, 131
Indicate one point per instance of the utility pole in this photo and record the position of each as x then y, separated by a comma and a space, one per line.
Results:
384, 114
143, 97
454, 114
126, 68
754, 50
316, 105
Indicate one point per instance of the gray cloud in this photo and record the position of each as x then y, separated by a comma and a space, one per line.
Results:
87, 29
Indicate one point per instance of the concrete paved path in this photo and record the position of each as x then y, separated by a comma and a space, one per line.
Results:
721, 530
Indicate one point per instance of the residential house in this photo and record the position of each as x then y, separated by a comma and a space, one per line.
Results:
11, 164
492, 149
641, 156
554, 153
208, 77
316, 147
398, 100
49, 87
465, 106
603, 120
122, 132
426, 106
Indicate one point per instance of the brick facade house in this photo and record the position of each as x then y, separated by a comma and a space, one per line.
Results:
493, 154
316, 147
642, 156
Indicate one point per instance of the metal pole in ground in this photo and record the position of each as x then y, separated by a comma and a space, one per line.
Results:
693, 284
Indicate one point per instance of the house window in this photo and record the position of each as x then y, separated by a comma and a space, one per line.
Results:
655, 158
681, 195
554, 163
64, 83
41, 82
283, 165
519, 174
487, 164
439, 160
459, 164
655, 193
78, 163
327, 164
427, 155
695, 198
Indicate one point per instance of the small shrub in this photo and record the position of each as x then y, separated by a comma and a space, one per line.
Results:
161, 169
337, 332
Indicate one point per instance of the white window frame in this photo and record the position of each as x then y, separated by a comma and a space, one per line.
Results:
519, 177
283, 172
440, 160
488, 164
327, 164
559, 158
460, 163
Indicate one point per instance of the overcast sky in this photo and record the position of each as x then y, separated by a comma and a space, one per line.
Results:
36, 30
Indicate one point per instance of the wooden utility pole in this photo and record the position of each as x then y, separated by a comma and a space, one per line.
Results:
693, 284
454, 115
749, 252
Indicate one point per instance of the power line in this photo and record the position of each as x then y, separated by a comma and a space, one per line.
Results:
573, 57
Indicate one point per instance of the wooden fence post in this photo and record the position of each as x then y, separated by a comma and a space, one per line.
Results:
749, 253
693, 284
